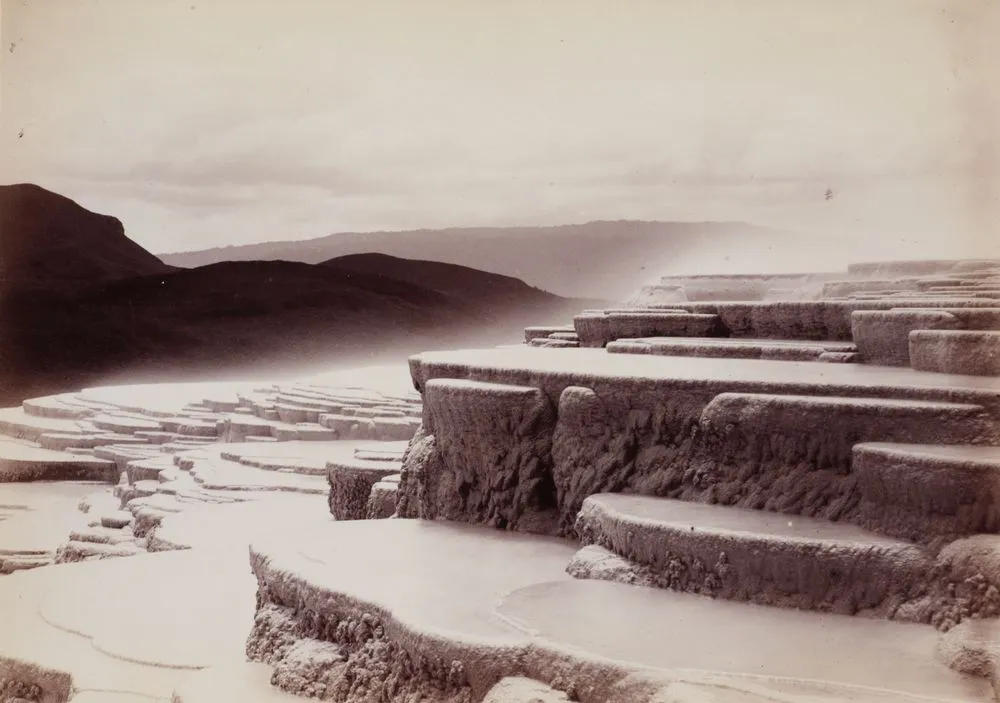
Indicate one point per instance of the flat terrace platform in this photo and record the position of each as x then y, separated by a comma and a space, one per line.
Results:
555, 369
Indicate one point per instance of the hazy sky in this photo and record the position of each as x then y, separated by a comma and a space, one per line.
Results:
210, 122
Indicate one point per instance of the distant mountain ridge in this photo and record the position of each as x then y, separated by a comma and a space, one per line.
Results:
607, 259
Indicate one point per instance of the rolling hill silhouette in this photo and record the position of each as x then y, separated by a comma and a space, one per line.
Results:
47, 239
81, 304
448, 279
609, 259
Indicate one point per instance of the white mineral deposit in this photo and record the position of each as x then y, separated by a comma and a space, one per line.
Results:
639, 520
507, 351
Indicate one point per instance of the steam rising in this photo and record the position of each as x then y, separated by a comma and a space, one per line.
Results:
797, 253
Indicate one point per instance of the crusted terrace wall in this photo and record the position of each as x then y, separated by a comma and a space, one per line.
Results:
328, 645
611, 440
966, 352
491, 461
882, 336
748, 450
499, 453
817, 320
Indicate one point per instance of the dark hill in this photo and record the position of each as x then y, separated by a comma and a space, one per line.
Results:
250, 317
244, 288
47, 240
75, 314
449, 279
607, 259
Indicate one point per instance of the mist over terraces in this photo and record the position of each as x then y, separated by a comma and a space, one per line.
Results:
602, 259
81, 303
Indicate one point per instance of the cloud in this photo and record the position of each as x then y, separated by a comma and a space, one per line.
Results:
242, 123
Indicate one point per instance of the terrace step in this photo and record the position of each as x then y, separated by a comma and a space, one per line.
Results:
126, 424
965, 352
123, 624
937, 283
9, 563
54, 406
293, 414
74, 551
352, 481
924, 267
311, 401
35, 519
598, 329
817, 319
152, 401
383, 411
100, 535
222, 404
122, 454
757, 556
488, 437
554, 370
743, 286
541, 331
660, 293
550, 343
390, 452
156, 437
207, 429
785, 350
668, 427
239, 427
80, 451
386, 429
15, 422
308, 466
845, 421
788, 561
849, 287
212, 472
21, 462
382, 499
148, 512
116, 521
144, 489
62, 441
304, 431
973, 647
831, 357
148, 469
189, 425
499, 604
882, 336
926, 492
182, 445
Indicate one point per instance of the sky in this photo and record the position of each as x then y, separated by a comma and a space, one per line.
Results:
204, 123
